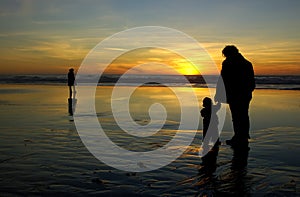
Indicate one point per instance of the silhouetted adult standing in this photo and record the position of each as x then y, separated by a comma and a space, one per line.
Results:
238, 77
71, 81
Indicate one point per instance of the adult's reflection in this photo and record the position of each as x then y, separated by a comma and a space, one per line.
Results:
236, 181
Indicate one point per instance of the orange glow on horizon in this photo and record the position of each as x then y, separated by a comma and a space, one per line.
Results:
162, 61
267, 62
187, 68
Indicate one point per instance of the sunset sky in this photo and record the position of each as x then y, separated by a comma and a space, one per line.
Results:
48, 37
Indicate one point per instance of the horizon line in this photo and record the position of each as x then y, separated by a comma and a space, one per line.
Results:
27, 74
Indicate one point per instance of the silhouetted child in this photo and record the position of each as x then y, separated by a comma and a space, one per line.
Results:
210, 120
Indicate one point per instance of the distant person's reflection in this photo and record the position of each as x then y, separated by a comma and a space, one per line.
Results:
72, 105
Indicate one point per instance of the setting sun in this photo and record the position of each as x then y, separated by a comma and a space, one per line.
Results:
155, 61
186, 68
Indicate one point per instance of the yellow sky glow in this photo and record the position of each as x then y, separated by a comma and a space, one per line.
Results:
160, 58
55, 58
49, 37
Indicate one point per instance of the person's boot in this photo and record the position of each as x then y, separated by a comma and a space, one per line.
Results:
232, 141
241, 143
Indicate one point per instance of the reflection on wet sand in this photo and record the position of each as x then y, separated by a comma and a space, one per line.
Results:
72, 101
36, 134
233, 182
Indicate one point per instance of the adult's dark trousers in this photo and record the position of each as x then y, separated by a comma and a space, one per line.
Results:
240, 117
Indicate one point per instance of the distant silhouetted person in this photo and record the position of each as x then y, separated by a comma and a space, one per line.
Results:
238, 77
210, 121
71, 81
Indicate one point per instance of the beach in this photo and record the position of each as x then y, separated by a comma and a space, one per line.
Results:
42, 153
109, 98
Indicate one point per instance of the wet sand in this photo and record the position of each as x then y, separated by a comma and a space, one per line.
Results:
41, 151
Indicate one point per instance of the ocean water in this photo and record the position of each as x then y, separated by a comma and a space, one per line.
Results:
263, 82
42, 153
